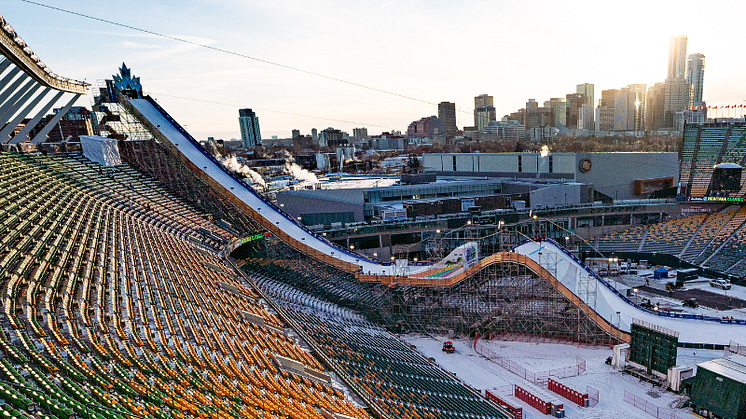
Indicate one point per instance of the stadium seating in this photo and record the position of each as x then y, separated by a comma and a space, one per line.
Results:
716, 240
671, 237
628, 240
710, 145
114, 305
735, 151
400, 381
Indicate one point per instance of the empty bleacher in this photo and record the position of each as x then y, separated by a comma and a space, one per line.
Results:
628, 240
672, 236
113, 305
399, 381
716, 240
708, 153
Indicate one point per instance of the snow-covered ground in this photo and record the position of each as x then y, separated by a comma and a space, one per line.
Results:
483, 374
630, 281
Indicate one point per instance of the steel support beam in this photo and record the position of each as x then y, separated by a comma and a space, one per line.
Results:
11, 106
21, 136
42, 135
12, 88
3, 65
5, 133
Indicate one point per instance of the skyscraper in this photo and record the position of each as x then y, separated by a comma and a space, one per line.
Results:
678, 90
249, 124
575, 102
484, 111
447, 118
655, 107
558, 111
296, 133
638, 91
677, 57
695, 74
586, 122
483, 100
587, 90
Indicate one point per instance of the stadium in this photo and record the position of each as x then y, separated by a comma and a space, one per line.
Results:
141, 278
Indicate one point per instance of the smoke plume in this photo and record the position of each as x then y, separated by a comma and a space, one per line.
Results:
243, 170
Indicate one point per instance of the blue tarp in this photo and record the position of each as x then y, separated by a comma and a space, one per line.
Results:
660, 273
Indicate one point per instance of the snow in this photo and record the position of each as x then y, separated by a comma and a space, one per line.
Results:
484, 374
616, 310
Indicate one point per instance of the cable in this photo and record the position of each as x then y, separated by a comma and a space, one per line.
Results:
229, 52
268, 110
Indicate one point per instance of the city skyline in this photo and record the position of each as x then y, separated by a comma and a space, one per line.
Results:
375, 51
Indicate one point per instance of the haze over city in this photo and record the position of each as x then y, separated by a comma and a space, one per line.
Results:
430, 50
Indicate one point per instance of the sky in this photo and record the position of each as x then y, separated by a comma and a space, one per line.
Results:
431, 50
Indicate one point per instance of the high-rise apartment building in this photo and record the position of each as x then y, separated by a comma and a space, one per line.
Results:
695, 74
249, 124
447, 118
677, 57
296, 133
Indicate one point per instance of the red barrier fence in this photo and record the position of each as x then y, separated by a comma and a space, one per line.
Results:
516, 411
542, 406
539, 378
568, 393
649, 408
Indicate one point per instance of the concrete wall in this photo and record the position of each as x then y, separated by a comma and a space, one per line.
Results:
501, 164
614, 174
558, 195
297, 203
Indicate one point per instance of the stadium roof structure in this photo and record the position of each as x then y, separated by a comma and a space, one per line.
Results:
29, 84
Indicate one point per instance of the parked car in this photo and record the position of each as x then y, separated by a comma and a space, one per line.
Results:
720, 283
448, 347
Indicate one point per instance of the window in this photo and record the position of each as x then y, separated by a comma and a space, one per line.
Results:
454, 163
551, 164
520, 164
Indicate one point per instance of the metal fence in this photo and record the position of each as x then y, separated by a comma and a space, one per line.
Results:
593, 397
649, 408
541, 378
